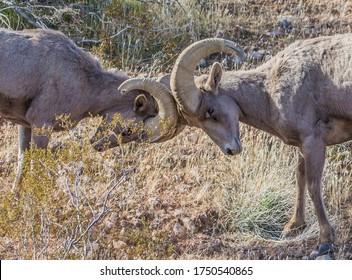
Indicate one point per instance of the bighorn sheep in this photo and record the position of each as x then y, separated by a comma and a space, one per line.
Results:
43, 74
303, 95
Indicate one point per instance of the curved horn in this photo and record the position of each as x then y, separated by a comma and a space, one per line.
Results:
164, 124
182, 76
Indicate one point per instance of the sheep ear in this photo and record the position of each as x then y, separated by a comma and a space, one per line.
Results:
214, 77
140, 103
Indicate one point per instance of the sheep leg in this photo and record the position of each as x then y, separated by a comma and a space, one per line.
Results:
24, 139
41, 134
40, 141
313, 150
297, 222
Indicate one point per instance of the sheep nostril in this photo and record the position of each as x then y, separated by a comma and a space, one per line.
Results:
127, 132
229, 152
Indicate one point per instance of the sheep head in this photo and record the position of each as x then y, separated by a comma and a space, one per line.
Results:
123, 123
202, 101
152, 118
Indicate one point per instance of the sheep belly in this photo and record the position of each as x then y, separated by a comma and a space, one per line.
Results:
340, 130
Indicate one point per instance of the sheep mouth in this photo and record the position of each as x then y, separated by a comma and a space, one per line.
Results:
233, 148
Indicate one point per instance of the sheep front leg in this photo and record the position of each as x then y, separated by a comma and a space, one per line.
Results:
313, 150
24, 139
41, 135
297, 222
40, 141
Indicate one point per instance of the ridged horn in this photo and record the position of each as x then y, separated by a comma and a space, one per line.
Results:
164, 123
182, 76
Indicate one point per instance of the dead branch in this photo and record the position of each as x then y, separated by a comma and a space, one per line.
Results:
19, 10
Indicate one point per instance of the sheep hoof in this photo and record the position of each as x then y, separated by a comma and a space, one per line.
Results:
324, 257
291, 230
324, 251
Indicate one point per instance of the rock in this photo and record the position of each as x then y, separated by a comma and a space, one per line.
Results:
322, 252
216, 244
179, 231
119, 245
189, 224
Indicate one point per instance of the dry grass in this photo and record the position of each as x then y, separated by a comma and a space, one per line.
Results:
183, 198
124, 203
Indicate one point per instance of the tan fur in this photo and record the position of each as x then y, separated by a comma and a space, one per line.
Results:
43, 74
303, 96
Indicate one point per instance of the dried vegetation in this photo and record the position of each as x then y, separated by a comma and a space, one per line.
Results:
182, 199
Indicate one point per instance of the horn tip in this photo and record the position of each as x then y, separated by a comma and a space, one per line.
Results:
122, 89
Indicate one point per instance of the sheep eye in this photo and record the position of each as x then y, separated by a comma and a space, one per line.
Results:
210, 111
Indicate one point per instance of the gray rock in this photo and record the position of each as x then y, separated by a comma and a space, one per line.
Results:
180, 231
189, 224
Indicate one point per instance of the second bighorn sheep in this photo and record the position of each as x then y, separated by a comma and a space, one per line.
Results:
43, 75
303, 96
